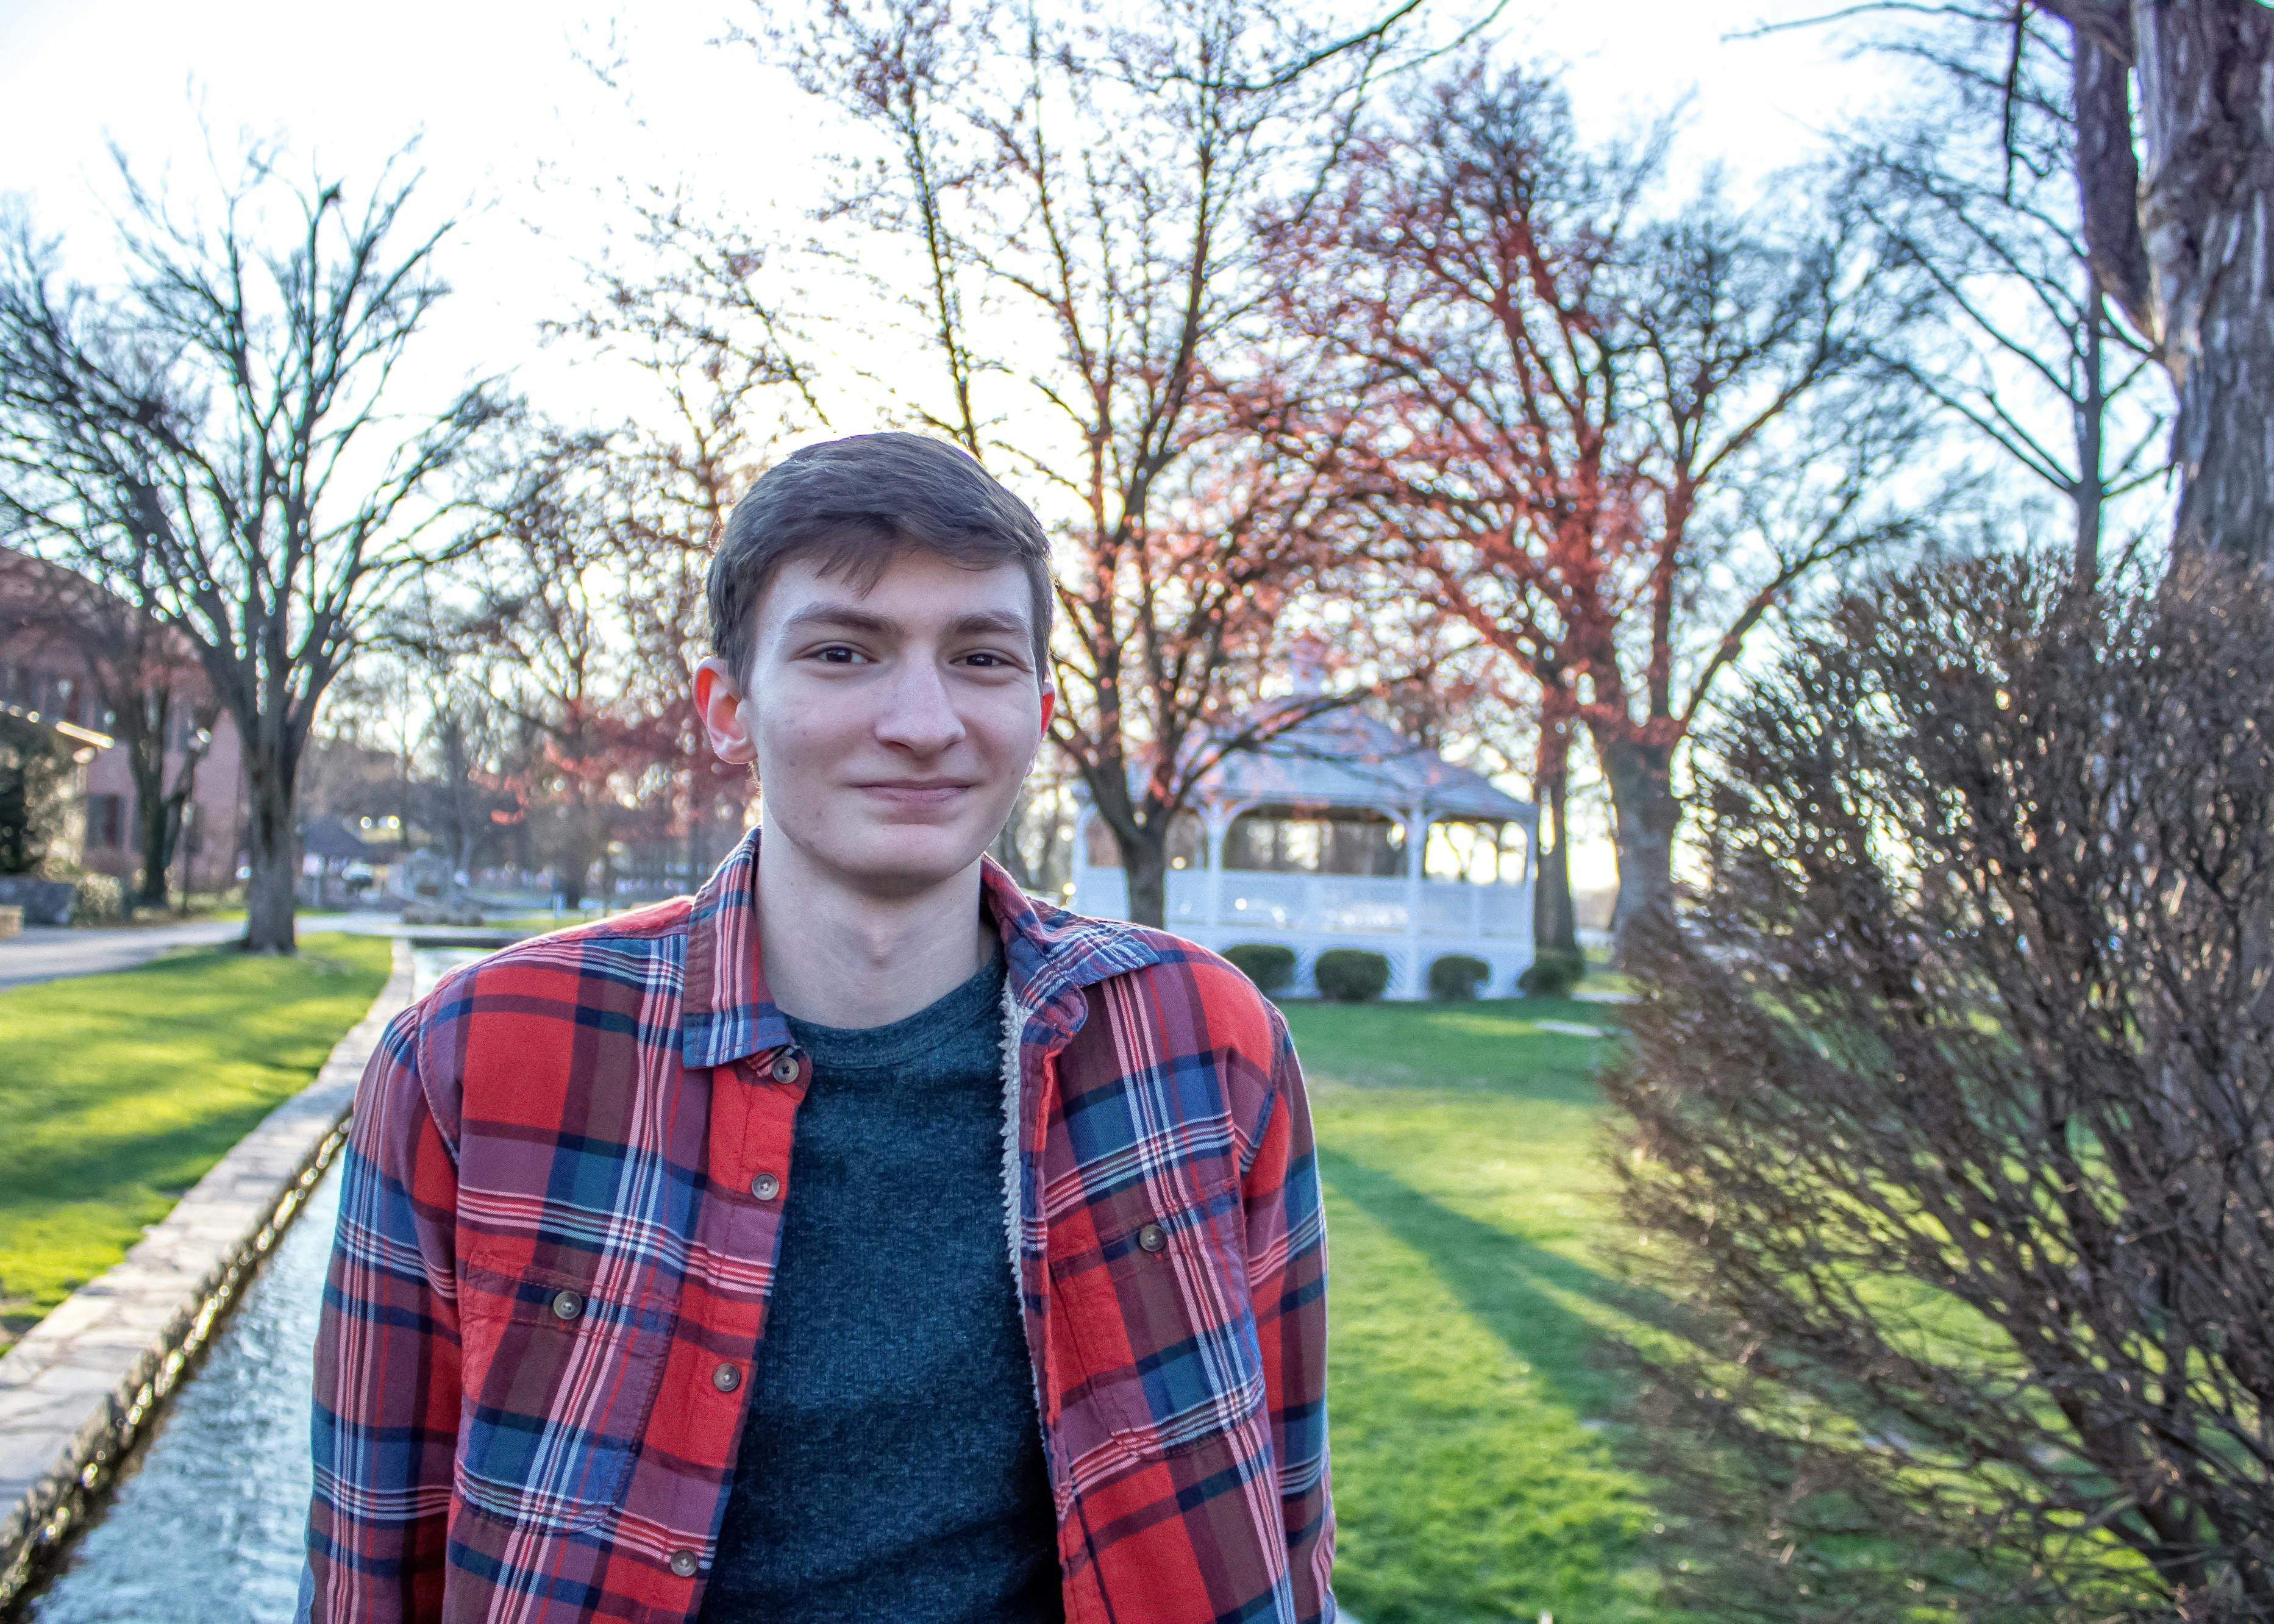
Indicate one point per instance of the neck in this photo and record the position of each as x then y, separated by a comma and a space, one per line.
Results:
838, 957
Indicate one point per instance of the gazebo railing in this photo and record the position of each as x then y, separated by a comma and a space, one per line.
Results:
1339, 904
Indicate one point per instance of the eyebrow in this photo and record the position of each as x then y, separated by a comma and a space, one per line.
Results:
850, 619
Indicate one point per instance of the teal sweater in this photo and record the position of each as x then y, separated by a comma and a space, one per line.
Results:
891, 1467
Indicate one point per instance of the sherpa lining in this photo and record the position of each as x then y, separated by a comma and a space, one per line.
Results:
1014, 1027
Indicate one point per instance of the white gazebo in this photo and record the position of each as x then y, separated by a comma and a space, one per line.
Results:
1341, 833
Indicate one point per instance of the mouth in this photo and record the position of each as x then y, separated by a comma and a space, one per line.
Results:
915, 793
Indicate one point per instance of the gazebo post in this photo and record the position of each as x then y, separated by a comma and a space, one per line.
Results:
1417, 838
1215, 821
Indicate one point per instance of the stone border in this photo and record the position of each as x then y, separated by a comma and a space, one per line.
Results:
82, 1384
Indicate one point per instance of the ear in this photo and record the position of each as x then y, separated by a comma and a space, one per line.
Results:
1049, 710
719, 701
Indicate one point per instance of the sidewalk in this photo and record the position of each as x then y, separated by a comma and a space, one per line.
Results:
51, 953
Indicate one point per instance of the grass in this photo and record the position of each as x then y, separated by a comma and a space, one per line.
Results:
119, 1091
1480, 1472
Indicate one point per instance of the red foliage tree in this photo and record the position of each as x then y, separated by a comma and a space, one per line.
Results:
1609, 443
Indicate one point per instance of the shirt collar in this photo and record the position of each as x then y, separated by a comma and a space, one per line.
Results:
1049, 956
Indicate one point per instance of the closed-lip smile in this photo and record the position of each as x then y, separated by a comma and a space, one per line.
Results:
917, 789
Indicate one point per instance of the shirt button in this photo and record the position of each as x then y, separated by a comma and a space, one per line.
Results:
785, 1067
682, 1563
726, 1379
567, 1304
1151, 1237
765, 1186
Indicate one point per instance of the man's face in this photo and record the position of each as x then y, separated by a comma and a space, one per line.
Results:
891, 728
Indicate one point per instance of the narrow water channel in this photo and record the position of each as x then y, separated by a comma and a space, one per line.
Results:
205, 1525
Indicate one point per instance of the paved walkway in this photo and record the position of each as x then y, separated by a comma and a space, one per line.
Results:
49, 952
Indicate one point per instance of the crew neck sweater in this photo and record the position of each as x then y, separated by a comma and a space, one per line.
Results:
890, 1464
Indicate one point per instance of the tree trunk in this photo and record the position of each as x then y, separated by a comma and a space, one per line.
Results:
1145, 865
145, 762
1645, 814
1555, 924
2206, 113
2091, 493
571, 867
273, 860
159, 820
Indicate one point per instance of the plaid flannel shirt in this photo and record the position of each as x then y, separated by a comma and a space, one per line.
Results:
561, 1212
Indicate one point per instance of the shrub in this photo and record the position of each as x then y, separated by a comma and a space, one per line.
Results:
1269, 966
97, 900
1351, 974
1950, 1107
1552, 974
1456, 976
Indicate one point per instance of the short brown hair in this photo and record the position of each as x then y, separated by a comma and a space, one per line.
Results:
856, 504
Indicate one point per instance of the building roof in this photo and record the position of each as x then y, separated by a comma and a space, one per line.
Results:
1345, 757
328, 837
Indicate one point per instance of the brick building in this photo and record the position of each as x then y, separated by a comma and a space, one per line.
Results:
68, 652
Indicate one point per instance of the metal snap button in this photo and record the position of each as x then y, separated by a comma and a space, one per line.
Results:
785, 1066
567, 1304
726, 1379
1152, 1238
682, 1563
765, 1186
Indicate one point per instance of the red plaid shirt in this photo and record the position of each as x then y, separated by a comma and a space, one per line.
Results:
560, 1211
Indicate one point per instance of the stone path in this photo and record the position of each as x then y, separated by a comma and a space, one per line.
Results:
81, 1384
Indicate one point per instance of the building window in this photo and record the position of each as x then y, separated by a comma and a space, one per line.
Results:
106, 821
1291, 840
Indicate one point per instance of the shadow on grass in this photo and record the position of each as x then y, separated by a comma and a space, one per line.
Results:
1514, 1288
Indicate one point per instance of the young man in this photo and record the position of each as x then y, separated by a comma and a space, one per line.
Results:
860, 1239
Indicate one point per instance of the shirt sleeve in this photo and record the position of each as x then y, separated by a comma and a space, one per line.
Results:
1287, 1276
385, 1423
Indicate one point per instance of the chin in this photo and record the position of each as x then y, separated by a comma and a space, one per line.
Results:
905, 859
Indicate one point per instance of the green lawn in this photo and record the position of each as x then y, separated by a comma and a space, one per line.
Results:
119, 1091
1478, 1460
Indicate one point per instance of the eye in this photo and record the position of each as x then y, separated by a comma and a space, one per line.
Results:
837, 654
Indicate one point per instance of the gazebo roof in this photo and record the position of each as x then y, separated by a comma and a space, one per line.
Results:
1345, 757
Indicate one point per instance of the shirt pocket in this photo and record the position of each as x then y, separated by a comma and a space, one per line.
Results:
559, 1379
1160, 1328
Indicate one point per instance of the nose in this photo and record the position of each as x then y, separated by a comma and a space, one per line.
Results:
920, 715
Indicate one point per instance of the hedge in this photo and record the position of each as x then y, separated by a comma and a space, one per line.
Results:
1351, 974
1553, 973
1456, 976
1269, 966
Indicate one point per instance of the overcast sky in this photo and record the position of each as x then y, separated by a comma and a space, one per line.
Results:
519, 134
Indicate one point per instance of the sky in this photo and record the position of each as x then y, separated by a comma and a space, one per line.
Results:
531, 148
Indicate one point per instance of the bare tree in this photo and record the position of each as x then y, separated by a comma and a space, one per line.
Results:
1956, 1099
688, 304
222, 439
2174, 105
1611, 444
1067, 211
2184, 244
1978, 199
